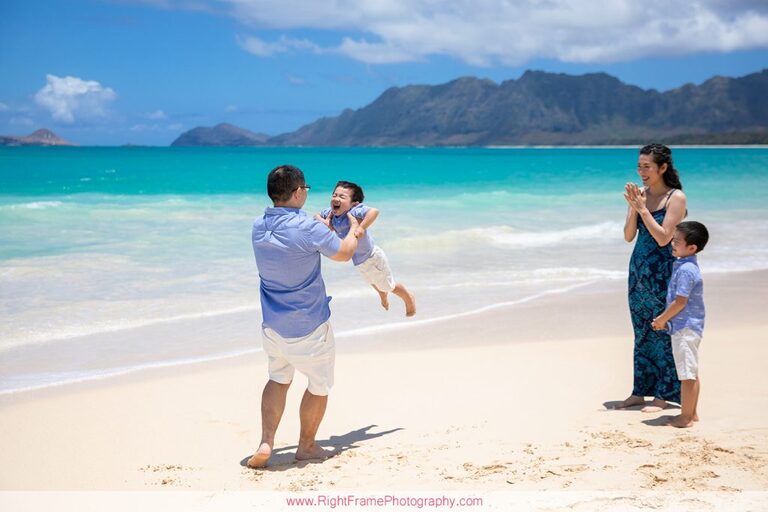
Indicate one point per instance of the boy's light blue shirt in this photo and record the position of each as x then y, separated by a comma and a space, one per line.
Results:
687, 282
287, 245
366, 244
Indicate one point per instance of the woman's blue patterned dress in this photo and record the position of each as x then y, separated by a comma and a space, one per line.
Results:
649, 271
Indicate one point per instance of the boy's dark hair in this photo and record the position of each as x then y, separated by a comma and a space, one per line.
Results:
694, 233
357, 190
283, 181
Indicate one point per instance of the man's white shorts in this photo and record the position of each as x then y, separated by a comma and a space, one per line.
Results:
375, 270
685, 350
313, 355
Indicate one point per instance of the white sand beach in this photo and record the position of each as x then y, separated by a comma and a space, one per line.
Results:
512, 400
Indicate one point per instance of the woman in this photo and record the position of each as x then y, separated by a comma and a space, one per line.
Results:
652, 214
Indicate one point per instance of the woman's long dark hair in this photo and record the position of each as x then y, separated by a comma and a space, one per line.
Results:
661, 154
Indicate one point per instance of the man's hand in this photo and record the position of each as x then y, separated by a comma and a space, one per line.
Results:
658, 324
349, 242
324, 220
354, 224
359, 232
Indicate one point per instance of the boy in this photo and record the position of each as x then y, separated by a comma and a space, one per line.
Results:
684, 316
369, 259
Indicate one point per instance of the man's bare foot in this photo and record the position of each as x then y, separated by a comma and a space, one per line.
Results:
631, 401
656, 405
313, 452
680, 422
410, 305
260, 458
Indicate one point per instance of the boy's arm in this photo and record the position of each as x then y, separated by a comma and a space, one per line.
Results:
660, 322
370, 218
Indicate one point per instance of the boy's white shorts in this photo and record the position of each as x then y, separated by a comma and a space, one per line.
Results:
313, 355
685, 350
375, 270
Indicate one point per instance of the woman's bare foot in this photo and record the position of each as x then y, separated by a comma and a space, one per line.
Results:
313, 452
631, 401
260, 458
656, 405
680, 422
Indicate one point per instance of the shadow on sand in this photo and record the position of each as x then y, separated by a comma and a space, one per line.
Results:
613, 404
661, 421
283, 458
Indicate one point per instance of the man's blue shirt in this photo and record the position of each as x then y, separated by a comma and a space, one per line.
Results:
686, 281
287, 245
340, 224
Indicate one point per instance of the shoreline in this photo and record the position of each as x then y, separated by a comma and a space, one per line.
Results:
376, 338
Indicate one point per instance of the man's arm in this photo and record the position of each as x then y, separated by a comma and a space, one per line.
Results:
349, 242
660, 322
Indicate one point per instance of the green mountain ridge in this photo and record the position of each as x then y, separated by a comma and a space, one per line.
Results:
539, 108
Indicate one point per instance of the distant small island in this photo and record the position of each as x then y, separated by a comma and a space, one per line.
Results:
537, 109
220, 135
41, 137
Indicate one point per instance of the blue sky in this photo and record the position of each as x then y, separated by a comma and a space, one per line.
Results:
110, 72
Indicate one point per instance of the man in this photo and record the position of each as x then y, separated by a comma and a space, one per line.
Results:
296, 332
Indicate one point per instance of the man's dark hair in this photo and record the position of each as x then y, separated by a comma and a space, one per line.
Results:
283, 181
357, 190
694, 233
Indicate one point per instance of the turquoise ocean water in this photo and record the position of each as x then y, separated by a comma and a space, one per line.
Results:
113, 259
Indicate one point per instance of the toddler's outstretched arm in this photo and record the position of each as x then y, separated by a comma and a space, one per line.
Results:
370, 218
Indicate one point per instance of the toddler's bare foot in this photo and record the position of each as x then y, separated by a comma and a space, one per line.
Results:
680, 421
695, 417
631, 401
410, 305
656, 405
313, 452
260, 458
383, 296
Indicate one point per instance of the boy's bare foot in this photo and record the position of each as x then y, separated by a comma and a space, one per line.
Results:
410, 305
260, 458
631, 401
314, 452
680, 422
695, 417
656, 405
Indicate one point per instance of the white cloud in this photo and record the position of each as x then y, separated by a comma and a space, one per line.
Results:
295, 80
70, 97
485, 32
285, 44
155, 127
4, 107
157, 115
231, 108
